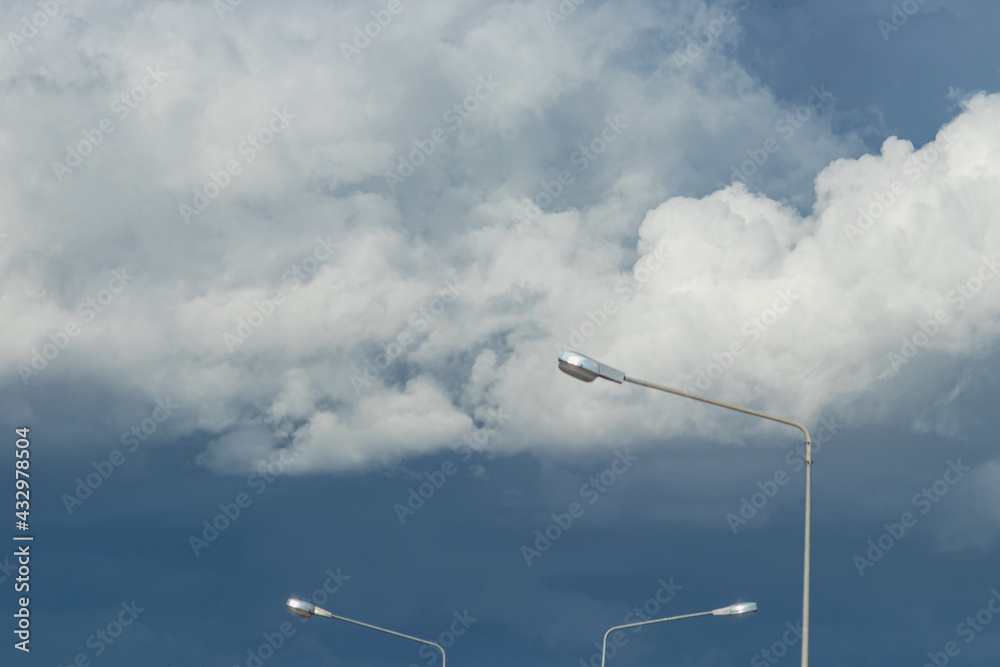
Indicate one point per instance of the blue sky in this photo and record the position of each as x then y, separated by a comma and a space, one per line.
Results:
285, 285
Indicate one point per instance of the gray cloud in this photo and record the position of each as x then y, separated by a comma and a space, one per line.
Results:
362, 322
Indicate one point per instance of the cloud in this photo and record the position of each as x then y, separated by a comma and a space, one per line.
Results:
891, 273
314, 304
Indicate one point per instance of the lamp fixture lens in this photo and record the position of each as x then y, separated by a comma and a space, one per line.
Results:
300, 607
579, 366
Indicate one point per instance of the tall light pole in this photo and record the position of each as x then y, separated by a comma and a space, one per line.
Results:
734, 610
584, 368
307, 609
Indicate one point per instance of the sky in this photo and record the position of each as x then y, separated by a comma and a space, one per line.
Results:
284, 286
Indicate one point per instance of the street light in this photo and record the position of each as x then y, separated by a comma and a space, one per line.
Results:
734, 610
307, 609
584, 368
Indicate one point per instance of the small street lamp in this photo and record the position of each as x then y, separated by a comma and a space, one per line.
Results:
307, 609
584, 368
733, 610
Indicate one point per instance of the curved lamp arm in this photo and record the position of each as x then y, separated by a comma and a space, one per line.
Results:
740, 609
307, 609
584, 368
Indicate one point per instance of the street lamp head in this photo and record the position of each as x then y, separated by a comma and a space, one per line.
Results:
307, 609
300, 607
737, 610
584, 368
